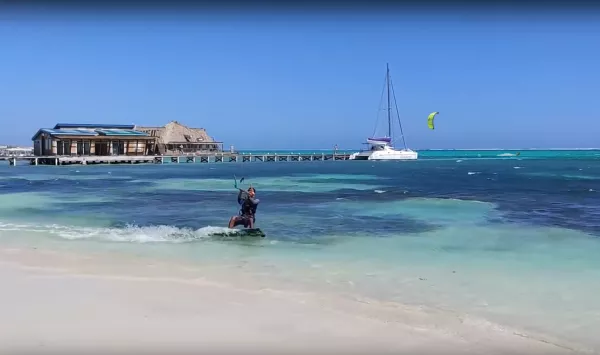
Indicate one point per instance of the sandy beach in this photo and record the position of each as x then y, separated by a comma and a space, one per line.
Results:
62, 302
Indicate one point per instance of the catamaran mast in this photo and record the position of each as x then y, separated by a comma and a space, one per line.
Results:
398, 112
389, 106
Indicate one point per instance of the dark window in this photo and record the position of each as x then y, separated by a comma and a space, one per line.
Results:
101, 147
86, 148
118, 148
63, 147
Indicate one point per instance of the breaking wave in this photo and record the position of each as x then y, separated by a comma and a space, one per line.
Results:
128, 233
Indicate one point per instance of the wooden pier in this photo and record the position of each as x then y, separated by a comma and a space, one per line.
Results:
173, 159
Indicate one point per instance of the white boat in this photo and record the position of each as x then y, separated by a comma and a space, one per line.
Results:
381, 148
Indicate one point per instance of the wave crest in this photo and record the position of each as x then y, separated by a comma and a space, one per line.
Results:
129, 233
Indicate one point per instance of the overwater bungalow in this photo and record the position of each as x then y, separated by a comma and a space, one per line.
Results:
82, 139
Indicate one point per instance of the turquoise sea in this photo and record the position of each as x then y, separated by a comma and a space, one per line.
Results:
585, 153
511, 239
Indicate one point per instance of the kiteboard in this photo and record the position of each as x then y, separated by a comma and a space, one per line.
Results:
246, 232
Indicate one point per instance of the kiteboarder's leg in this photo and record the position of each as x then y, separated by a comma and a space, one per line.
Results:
240, 221
235, 221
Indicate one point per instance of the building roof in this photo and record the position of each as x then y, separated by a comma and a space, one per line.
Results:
120, 132
93, 131
177, 133
93, 125
66, 132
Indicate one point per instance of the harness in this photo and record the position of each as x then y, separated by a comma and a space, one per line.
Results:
248, 209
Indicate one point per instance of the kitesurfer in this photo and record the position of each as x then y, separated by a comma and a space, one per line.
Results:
247, 213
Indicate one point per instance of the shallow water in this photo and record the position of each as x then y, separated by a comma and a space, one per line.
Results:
513, 239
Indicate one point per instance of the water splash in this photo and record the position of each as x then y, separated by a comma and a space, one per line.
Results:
129, 233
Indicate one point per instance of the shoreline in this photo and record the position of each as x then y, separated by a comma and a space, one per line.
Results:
67, 301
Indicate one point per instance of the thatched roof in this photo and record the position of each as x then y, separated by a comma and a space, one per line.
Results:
175, 132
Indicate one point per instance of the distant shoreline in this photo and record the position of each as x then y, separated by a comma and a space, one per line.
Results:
422, 150
505, 149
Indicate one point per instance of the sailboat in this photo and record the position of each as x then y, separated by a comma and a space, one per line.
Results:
381, 148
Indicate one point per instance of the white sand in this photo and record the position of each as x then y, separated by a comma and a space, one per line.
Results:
56, 302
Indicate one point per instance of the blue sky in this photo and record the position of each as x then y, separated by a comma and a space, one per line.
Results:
282, 81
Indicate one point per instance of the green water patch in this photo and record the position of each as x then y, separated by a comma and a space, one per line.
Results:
573, 176
301, 183
328, 177
51, 208
433, 210
15, 201
71, 175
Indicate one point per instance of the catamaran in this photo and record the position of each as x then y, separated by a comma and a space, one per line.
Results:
381, 148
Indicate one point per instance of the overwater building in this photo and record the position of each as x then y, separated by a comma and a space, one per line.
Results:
176, 138
83, 139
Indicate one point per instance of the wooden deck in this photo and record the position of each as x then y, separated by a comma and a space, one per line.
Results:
173, 159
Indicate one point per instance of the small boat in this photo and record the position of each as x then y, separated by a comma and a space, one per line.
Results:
381, 148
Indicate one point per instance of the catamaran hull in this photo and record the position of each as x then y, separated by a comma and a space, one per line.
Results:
388, 154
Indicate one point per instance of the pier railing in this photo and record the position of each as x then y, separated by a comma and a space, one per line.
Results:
176, 159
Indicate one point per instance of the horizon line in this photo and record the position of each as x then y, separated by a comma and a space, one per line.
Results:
422, 149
